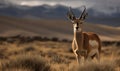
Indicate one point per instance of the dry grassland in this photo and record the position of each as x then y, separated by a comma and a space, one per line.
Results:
53, 56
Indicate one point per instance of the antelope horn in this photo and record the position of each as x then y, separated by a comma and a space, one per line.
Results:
84, 14
70, 14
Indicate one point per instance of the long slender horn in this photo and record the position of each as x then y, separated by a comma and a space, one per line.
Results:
70, 14
84, 14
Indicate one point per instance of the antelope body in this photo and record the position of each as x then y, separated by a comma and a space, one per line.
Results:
85, 44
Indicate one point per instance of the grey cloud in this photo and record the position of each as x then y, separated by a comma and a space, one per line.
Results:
106, 6
74, 3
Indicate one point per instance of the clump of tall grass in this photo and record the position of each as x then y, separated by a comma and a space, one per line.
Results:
30, 48
26, 62
117, 61
92, 66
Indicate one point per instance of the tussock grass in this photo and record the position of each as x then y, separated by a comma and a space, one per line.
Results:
53, 56
29, 48
27, 62
2, 53
106, 66
14, 69
117, 61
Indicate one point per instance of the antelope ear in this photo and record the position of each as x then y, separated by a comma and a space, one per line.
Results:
70, 14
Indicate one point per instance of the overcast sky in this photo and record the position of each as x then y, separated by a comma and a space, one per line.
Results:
107, 6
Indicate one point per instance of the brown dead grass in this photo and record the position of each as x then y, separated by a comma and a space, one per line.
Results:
26, 62
53, 56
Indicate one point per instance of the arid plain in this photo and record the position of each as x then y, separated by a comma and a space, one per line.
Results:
21, 50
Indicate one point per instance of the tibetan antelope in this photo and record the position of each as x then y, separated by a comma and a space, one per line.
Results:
85, 44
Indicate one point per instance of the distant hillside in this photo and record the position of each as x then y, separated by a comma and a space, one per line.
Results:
59, 12
51, 28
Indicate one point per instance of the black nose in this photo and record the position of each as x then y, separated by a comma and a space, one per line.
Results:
77, 28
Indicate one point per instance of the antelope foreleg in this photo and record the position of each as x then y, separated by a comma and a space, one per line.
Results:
75, 49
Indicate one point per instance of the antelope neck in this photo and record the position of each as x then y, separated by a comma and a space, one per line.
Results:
78, 37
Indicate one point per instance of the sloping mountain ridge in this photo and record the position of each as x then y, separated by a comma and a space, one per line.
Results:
59, 12
51, 28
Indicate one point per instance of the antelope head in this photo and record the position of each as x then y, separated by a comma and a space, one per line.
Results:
77, 22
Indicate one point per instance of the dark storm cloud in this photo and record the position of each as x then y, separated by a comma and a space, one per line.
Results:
106, 6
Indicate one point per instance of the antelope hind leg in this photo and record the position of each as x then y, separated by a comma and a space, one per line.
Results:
98, 56
92, 54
